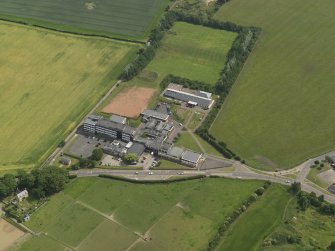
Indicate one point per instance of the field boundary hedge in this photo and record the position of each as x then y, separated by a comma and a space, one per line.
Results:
224, 226
179, 179
26, 23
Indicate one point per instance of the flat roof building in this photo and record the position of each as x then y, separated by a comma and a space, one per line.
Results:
108, 128
190, 158
192, 97
155, 114
118, 119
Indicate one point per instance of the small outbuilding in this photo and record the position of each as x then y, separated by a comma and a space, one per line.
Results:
65, 161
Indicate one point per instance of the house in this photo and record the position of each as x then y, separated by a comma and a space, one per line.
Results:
118, 119
22, 195
65, 161
191, 97
190, 158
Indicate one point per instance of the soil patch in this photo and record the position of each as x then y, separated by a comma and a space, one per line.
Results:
130, 102
9, 234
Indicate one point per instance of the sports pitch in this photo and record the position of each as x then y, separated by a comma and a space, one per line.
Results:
280, 111
125, 18
48, 82
96, 213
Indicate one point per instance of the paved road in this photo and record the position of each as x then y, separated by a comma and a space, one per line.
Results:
241, 172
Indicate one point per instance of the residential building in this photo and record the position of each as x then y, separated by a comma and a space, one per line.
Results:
22, 195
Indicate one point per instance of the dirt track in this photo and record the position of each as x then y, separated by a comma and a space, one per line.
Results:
130, 102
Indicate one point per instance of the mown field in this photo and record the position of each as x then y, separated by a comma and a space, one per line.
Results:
96, 213
192, 51
279, 112
126, 18
49, 81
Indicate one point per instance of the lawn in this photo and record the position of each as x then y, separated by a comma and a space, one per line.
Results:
186, 140
313, 175
164, 164
48, 82
183, 214
279, 112
126, 18
248, 232
192, 51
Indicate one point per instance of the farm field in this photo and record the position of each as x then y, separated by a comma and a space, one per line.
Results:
121, 18
9, 234
279, 113
48, 82
102, 213
259, 220
192, 51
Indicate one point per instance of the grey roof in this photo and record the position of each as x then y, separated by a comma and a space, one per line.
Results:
115, 126
65, 161
186, 97
136, 148
94, 117
155, 114
175, 151
163, 108
191, 156
118, 119
90, 121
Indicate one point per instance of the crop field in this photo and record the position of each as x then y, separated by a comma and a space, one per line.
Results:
280, 111
8, 234
122, 18
193, 51
101, 213
48, 82
259, 220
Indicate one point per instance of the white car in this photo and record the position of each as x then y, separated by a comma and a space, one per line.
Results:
136, 173
151, 173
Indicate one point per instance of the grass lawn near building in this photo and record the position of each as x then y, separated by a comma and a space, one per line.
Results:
186, 140
48, 82
313, 175
279, 112
188, 206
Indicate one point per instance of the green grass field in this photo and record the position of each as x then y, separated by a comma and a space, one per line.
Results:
96, 213
279, 112
192, 51
248, 232
315, 230
48, 82
126, 18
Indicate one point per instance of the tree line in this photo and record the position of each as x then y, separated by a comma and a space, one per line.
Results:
39, 183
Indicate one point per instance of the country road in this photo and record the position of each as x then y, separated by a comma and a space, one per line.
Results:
241, 172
